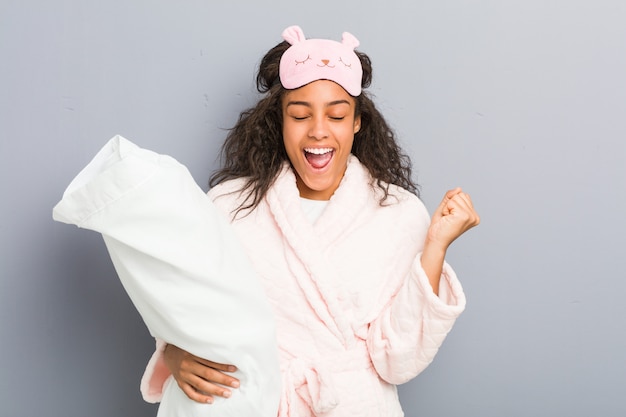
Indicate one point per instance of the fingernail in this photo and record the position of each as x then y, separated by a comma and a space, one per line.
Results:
234, 384
226, 394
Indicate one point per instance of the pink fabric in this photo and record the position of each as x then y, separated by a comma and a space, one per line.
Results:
355, 311
151, 391
309, 60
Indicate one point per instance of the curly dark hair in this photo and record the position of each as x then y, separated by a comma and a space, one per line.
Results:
254, 147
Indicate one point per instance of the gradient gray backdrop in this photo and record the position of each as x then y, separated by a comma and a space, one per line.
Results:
523, 103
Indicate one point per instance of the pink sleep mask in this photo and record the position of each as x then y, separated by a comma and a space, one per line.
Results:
309, 60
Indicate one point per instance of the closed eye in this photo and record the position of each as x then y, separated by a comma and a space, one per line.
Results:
347, 65
308, 58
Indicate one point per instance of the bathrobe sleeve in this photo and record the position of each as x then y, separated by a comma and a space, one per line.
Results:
155, 375
405, 336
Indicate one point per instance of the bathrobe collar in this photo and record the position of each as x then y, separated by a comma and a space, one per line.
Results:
352, 204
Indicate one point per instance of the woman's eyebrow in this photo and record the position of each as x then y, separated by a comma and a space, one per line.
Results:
298, 103
336, 102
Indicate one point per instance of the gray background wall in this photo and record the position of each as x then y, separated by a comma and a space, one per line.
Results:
522, 103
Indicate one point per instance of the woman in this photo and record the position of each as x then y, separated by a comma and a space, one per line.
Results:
321, 196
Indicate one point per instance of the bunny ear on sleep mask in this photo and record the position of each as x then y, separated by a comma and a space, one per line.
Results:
308, 60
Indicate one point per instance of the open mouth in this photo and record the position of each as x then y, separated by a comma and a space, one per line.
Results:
318, 158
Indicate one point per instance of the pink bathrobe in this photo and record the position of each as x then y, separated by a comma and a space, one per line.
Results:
355, 311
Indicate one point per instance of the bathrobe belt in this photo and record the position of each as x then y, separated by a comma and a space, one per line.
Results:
309, 383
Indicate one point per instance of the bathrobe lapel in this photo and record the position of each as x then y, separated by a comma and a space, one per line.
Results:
307, 245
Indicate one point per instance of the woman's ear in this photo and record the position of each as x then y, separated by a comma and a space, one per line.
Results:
357, 124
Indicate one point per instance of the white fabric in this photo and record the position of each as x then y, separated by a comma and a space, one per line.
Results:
313, 209
184, 270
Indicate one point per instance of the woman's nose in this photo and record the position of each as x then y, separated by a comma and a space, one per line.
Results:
319, 128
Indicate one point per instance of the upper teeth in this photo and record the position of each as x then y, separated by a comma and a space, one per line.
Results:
318, 151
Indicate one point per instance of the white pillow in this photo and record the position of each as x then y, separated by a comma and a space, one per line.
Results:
183, 269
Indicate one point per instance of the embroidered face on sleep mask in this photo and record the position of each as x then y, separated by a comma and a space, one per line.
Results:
308, 60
